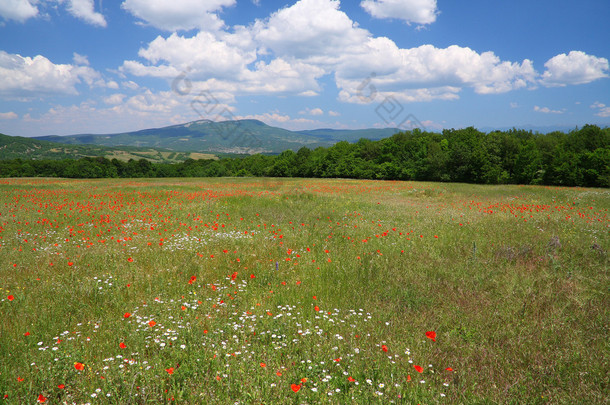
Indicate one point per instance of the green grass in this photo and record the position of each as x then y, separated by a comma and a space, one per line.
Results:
513, 280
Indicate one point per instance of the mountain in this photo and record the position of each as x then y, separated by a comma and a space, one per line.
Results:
239, 136
13, 147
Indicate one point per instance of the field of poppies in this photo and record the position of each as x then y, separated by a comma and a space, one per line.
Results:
240, 291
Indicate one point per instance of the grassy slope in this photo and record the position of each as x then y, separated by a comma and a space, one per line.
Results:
514, 280
13, 147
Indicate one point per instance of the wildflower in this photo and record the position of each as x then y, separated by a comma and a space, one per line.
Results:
384, 348
127, 315
122, 345
79, 366
42, 399
170, 370
10, 297
295, 387
431, 335
419, 369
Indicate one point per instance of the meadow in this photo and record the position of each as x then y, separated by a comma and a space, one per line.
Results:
302, 291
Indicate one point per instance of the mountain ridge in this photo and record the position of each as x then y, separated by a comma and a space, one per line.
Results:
247, 136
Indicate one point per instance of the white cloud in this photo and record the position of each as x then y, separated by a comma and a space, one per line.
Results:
296, 45
597, 104
312, 111
84, 10
547, 110
174, 15
603, 111
334, 113
574, 68
416, 11
18, 10
80, 59
24, 77
8, 116
222, 63
131, 85
315, 31
203, 56
114, 99
288, 53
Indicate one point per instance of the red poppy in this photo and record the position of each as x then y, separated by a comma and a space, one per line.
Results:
448, 369
252, 276
350, 379
10, 297
431, 335
419, 369
263, 365
170, 370
127, 315
152, 323
42, 399
384, 348
61, 386
316, 308
70, 263
295, 387
130, 260
19, 379
79, 366
122, 345
26, 334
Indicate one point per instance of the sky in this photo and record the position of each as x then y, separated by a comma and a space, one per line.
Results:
102, 66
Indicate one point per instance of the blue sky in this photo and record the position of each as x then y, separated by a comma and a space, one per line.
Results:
94, 66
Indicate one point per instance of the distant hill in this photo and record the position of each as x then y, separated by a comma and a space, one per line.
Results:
350, 135
13, 147
239, 136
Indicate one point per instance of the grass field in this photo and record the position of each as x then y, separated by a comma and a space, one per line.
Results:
302, 291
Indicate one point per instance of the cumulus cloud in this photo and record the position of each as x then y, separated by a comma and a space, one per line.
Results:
225, 63
574, 68
315, 31
203, 56
411, 11
84, 10
23, 77
174, 15
288, 53
18, 10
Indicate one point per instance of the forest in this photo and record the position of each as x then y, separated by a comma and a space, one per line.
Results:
578, 158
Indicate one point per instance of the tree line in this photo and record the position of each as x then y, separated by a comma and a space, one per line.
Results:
578, 158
